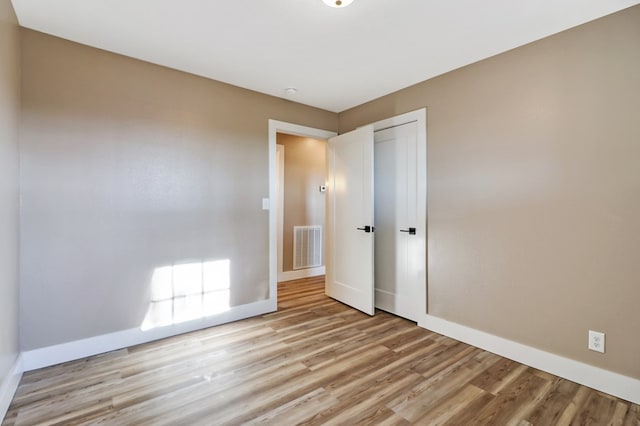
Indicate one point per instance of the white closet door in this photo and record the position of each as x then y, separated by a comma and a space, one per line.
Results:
349, 263
397, 286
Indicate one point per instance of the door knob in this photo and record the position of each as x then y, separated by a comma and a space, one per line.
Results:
367, 228
411, 231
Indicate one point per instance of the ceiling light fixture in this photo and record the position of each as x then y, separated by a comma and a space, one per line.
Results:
338, 3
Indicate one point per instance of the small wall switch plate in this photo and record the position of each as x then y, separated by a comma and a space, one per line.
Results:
323, 188
596, 341
265, 204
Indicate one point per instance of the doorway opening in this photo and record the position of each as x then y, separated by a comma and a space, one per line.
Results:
280, 127
300, 205
349, 234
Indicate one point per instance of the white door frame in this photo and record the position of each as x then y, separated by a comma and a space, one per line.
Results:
420, 117
276, 127
280, 205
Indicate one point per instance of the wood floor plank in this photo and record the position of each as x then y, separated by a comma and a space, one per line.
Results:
62, 389
436, 388
619, 414
450, 406
561, 394
390, 419
574, 406
513, 403
314, 361
633, 416
598, 409
365, 407
468, 415
491, 380
348, 384
313, 379
297, 411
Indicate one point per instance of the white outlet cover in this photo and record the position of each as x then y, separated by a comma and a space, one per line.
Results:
596, 341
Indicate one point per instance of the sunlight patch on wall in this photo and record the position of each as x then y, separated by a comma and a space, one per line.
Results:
188, 291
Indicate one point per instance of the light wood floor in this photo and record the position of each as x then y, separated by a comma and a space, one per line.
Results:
315, 361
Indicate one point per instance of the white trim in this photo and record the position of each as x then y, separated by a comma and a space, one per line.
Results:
51, 355
280, 152
276, 127
301, 273
9, 386
606, 381
418, 115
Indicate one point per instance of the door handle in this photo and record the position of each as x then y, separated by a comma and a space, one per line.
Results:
411, 231
367, 228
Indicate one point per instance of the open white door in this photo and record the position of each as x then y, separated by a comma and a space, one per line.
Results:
349, 220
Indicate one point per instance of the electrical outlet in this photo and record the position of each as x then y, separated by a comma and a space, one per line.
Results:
596, 341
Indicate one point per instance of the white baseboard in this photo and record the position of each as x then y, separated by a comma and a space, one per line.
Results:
51, 355
606, 381
9, 385
300, 273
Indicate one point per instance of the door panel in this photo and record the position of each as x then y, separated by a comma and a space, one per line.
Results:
349, 265
396, 277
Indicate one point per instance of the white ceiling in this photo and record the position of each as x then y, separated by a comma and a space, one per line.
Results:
336, 58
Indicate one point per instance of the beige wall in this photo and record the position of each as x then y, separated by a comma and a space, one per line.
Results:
9, 123
126, 167
534, 190
304, 171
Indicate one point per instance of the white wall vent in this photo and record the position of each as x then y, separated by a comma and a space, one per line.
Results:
307, 246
